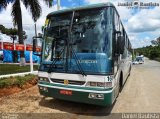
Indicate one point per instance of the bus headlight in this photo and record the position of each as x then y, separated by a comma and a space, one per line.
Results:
93, 83
43, 89
108, 84
96, 96
43, 79
100, 84
40, 78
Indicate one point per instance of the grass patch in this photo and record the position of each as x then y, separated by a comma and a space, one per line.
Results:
14, 68
16, 81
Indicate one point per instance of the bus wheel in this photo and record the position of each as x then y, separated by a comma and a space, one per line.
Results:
129, 71
119, 89
120, 82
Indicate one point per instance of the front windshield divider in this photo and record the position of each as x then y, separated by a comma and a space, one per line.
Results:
69, 34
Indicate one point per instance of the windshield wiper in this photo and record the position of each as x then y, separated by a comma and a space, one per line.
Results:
69, 46
54, 62
78, 64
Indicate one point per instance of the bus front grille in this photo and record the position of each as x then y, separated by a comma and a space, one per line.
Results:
69, 82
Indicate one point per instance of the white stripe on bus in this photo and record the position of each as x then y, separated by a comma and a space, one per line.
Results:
73, 89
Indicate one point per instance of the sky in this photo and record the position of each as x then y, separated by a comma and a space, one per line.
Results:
141, 25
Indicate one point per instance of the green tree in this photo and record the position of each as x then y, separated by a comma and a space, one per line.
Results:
153, 54
2, 28
8, 31
16, 13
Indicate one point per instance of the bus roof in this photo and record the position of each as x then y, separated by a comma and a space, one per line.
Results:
108, 4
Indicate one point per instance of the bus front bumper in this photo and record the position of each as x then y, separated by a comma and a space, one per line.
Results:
96, 97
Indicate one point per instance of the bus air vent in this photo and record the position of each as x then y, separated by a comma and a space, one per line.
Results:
71, 82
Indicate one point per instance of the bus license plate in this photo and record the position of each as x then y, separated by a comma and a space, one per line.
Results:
66, 92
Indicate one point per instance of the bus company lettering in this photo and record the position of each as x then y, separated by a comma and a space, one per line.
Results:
87, 61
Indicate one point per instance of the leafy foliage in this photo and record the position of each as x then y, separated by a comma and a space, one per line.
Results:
152, 52
16, 81
8, 31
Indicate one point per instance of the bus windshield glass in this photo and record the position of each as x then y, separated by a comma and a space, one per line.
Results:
79, 41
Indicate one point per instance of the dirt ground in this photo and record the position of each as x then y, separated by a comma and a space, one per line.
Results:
15, 89
141, 93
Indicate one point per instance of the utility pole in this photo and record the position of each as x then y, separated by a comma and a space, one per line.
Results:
58, 4
133, 54
35, 27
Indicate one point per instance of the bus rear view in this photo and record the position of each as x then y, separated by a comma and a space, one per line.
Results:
80, 56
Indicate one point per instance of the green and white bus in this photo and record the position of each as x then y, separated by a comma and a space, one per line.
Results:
85, 55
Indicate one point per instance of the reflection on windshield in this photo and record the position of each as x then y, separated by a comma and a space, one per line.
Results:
90, 29
89, 41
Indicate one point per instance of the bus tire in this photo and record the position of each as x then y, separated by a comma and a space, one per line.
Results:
120, 82
129, 70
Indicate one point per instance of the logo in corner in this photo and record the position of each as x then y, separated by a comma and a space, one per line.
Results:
136, 4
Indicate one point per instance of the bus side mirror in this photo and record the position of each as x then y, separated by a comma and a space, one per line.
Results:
121, 44
34, 46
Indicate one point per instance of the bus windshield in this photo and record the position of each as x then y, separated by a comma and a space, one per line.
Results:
79, 40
